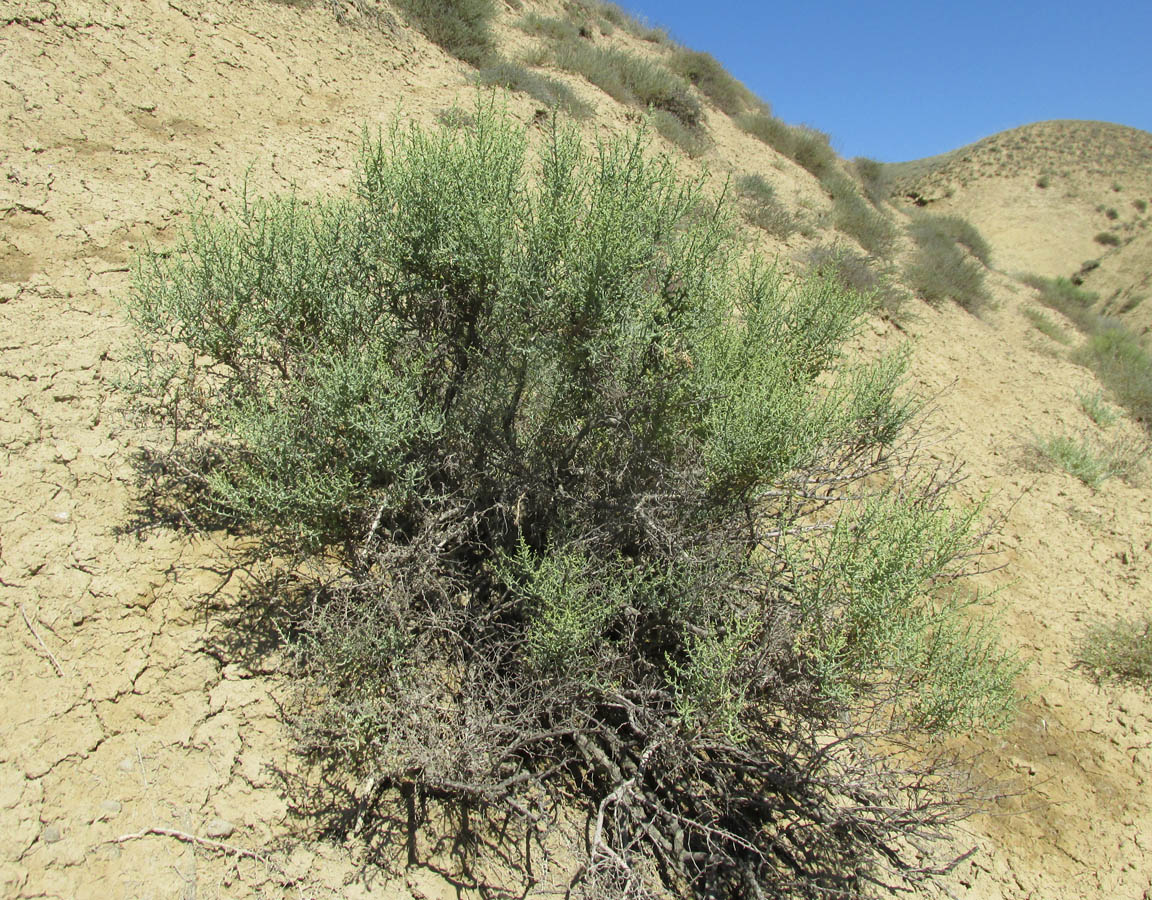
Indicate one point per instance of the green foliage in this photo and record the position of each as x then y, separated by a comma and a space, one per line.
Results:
1122, 650
761, 207
1141, 205
940, 269
552, 93
1043, 181
548, 27
706, 72
462, 27
965, 234
1062, 295
631, 79
874, 179
1097, 409
1107, 238
1089, 460
856, 217
806, 146
1046, 326
590, 493
693, 140
864, 617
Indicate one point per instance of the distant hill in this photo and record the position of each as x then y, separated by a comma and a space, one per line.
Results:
1070, 198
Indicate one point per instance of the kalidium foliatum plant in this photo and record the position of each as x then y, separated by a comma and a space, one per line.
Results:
605, 521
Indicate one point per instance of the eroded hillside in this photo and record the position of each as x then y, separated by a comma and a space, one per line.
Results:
143, 753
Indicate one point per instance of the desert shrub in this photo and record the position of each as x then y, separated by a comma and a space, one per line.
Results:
1043, 181
713, 80
461, 27
1122, 650
850, 269
874, 179
455, 117
1062, 295
1122, 362
548, 27
1046, 326
940, 269
548, 91
693, 140
1107, 238
1090, 460
806, 146
856, 217
596, 508
1097, 409
631, 79
1141, 206
762, 208
1111, 213
964, 233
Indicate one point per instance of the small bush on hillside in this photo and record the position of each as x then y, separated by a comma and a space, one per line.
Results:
762, 208
858, 273
1111, 213
874, 179
693, 140
1122, 361
1043, 181
1062, 295
1107, 238
714, 81
549, 91
854, 216
964, 233
631, 79
598, 513
1046, 326
1141, 206
548, 27
461, 27
806, 146
1097, 409
940, 269
1122, 651
1089, 460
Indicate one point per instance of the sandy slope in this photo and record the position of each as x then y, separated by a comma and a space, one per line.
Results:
114, 115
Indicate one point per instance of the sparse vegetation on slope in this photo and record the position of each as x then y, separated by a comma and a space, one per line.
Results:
461, 27
941, 268
1090, 460
1122, 650
549, 91
587, 497
762, 208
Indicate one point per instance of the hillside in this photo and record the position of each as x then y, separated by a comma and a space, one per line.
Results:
1058, 198
143, 750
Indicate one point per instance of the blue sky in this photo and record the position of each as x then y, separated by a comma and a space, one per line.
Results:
903, 80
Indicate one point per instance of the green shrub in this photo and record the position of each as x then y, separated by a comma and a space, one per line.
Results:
548, 27
806, 146
714, 81
549, 91
1107, 238
461, 27
1122, 651
1123, 364
964, 233
591, 502
1089, 460
1141, 206
693, 140
1111, 213
1097, 409
762, 208
1043, 181
1062, 295
631, 79
1046, 326
940, 269
856, 217
874, 179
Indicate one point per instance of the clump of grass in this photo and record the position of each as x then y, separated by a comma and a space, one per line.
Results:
1117, 355
1122, 651
858, 273
964, 233
1141, 205
941, 268
1111, 213
461, 27
1090, 461
1046, 326
1107, 238
515, 77
1097, 409
549, 27
873, 178
714, 81
856, 217
806, 146
762, 208
693, 140
1062, 295
455, 118
1043, 181
631, 79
